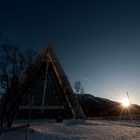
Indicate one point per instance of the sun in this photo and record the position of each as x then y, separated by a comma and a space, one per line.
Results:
125, 102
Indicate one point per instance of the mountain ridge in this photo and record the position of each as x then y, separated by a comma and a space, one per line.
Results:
97, 106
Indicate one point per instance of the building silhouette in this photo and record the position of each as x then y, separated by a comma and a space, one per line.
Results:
44, 91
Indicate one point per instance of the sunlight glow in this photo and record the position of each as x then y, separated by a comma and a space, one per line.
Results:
125, 102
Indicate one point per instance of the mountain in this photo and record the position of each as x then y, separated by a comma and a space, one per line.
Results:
96, 106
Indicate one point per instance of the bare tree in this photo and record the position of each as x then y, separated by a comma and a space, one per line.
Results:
78, 89
13, 63
77, 86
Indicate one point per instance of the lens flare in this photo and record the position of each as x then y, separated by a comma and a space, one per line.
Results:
125, 102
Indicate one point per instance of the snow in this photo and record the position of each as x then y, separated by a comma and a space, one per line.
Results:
77, 130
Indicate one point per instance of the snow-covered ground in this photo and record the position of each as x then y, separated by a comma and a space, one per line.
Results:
78, 130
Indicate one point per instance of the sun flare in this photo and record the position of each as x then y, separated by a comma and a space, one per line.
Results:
125, 102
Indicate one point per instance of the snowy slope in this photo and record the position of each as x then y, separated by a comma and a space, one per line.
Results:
78, 130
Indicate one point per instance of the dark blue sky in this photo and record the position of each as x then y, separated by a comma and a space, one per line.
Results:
97, 42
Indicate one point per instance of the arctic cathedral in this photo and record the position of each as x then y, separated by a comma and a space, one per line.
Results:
46, 91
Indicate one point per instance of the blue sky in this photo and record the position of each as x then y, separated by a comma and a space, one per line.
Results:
97, 42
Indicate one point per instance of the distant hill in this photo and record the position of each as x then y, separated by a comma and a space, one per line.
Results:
96, 106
